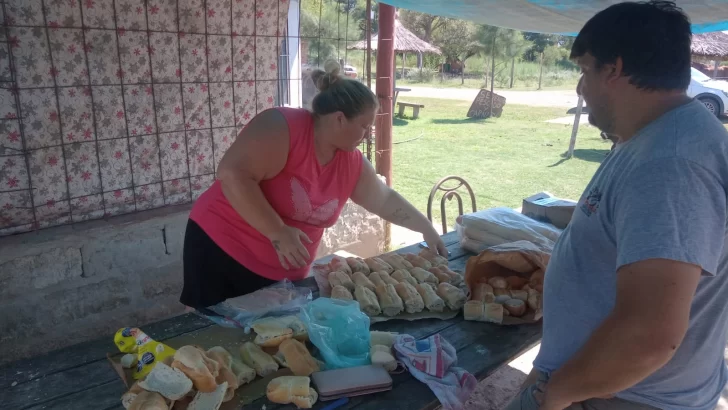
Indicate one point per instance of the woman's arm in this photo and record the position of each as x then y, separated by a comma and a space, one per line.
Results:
376, 197
260, 152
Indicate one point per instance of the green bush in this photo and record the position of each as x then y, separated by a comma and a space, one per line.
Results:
425, 75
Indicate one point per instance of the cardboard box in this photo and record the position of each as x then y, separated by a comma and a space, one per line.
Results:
547, 208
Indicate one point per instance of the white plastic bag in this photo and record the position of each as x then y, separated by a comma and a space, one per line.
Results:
496, 226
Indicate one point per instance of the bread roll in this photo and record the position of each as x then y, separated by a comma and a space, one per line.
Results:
254, 357
376, 279
378, 265
389, 300
417, 261
515, 307
534, 300
424, 276
339, 263
481, 292
382, 338
516, 282
339, 278
148, 401
434, 258
368, 302
537, 278
439, 274
358, 265
270, 333
209, 401
341, 293
502, 299
198, 367
473, 310
395, 261
520, 295
454, 297
298, 358
382, 356
402, 275
292, 390
223, 357
498, 282
244, 373
361, 280
501, 292
412, 300
493, 312
387, 279
167, 381
433, 302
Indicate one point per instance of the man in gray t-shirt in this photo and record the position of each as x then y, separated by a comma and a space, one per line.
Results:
636, 293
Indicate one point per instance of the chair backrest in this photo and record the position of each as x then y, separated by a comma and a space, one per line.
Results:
449, 194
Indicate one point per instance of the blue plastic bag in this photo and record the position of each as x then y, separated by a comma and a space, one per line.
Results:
340, 331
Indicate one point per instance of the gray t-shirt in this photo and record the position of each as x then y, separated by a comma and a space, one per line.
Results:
661, 194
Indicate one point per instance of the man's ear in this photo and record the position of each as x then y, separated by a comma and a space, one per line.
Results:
615, 70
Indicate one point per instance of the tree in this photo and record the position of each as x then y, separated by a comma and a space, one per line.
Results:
423, 25
455, 38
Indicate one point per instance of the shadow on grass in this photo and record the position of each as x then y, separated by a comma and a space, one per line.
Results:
591, 155
399, 122
461, 121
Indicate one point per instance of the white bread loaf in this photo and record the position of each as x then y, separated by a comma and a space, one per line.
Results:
146, 400
253, 356
195, 364
292, 390
298, 358
167, 381
209, 401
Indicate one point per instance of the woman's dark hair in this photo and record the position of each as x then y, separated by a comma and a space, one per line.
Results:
652, 39
340, 94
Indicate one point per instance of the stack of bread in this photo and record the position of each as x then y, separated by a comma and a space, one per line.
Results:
381, 344
395, 283
207, 378
500, 297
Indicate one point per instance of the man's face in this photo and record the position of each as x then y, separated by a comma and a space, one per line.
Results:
593, 87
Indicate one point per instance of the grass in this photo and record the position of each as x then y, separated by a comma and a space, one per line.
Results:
503, 159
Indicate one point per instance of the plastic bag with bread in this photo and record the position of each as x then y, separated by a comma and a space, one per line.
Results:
509, 269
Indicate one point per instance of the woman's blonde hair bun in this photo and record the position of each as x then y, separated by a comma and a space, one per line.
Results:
325, 78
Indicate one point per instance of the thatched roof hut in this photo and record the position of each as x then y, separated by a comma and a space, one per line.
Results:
711, 45
404, 42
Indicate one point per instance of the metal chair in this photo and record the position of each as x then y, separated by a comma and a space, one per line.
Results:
449, 194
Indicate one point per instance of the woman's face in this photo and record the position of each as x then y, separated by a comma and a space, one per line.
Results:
351, 132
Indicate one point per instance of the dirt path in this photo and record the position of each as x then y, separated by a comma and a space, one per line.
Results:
547, 98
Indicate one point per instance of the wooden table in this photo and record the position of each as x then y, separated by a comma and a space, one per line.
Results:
79, 377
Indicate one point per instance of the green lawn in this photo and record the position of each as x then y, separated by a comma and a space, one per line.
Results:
504, 159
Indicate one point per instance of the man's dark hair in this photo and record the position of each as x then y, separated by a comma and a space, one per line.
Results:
652, 38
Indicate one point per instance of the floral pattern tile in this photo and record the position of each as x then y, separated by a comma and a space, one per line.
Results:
63, 13
103, 57
196, 106
29, 46
174, 155
115, 165
39, 110
165, 57
193, 51
191, 16
244, 58
139, 102
199, 146
77, 114
98, 13
126, 105
108, 105
134, 52
48, 174
221, 97
145, 159
218, 16
162, 15
221, 62
168, 103
83, 169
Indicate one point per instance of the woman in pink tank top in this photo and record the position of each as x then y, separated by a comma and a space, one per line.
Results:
284, 181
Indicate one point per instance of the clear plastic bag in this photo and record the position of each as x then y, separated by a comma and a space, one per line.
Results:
339, 330
280, 299
496, 226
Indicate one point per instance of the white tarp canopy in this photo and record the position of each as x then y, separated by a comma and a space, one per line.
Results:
555, 16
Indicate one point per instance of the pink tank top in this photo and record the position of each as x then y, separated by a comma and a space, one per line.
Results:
305, 194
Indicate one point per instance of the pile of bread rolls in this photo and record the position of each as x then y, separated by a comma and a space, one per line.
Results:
394, 283
502, 297
208, 378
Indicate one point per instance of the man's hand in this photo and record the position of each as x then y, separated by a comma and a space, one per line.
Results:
435, 243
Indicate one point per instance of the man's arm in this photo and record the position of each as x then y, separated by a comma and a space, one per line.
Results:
640, 336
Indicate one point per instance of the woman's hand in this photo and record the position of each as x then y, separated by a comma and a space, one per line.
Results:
288, 243
435, 243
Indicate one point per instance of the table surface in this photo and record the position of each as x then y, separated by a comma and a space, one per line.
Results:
402, 89
80, 375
